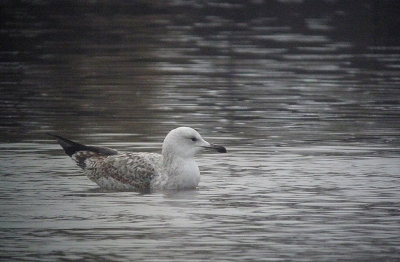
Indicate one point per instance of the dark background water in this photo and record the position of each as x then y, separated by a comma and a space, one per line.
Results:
304, 94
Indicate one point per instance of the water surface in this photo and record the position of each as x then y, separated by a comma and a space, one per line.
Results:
304, 95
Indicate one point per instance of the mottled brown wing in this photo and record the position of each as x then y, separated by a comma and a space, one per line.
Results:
133, 169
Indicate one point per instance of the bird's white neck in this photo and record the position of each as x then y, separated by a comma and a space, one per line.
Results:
182, 173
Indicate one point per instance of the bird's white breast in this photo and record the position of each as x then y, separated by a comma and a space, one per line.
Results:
185, 176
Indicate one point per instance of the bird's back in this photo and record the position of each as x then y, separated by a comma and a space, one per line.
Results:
124, 171
114, 170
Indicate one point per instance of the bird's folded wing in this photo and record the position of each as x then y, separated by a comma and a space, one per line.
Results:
131, 169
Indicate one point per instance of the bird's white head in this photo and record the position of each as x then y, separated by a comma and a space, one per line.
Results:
185, 142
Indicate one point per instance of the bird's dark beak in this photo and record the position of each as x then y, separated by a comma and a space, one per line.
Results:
219, 149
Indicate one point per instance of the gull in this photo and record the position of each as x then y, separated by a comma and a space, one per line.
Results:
174, 169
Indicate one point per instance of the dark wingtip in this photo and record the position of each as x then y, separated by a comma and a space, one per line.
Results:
70, 147
53, 135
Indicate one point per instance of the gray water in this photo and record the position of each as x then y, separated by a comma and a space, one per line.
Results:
304, 95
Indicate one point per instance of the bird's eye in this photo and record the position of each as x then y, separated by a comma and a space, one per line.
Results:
193, 139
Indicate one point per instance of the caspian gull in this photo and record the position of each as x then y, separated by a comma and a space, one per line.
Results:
175, 168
